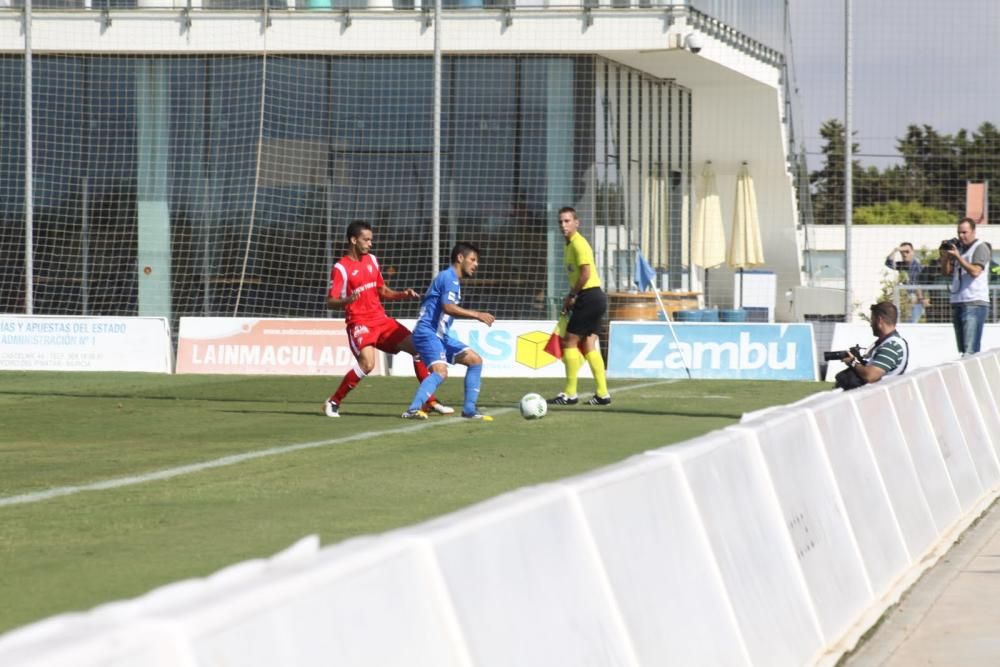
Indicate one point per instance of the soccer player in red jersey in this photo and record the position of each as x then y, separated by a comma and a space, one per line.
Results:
356, 285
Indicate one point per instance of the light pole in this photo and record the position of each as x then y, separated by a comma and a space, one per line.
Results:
848, 171
436, 168
29, 168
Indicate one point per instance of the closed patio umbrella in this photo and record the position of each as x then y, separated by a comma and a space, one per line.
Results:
745, 248
708, 238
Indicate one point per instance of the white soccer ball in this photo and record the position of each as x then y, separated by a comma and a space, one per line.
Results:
533, 406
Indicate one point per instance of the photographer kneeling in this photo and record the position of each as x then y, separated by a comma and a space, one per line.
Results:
888, 355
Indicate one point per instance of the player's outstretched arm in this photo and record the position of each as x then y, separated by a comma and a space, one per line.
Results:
389, 294
458, 311
333, 303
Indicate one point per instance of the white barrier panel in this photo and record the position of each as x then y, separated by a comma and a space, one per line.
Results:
756, 558
369, 604
510, 348
527, 584
911, 475
39, 343
125, 632
866, 499
990, 363
989, 356
978, 369
815, 518
659, 563
249, 346
996, 359
948, 433
985, 399
122, 646
971, 423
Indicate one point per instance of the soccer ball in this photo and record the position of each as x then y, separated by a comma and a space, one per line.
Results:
533, 406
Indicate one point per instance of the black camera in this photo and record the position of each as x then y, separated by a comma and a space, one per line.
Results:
948, 244
837, 355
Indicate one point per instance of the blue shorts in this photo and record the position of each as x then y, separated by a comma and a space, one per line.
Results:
436, 350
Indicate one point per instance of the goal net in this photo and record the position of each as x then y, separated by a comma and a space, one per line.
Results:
216, 185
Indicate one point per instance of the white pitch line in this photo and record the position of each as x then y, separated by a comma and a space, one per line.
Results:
234, 459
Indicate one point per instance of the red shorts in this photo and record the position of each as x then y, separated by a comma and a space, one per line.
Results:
385, 335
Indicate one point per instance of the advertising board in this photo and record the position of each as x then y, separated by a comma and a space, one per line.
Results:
33, 342
249, 346
510, 348
732, 351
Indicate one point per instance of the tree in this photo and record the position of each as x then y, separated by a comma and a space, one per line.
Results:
931, 176
940, 165
827, 184
932, 167
897, 213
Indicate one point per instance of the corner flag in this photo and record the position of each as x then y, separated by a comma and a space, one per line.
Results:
645, 276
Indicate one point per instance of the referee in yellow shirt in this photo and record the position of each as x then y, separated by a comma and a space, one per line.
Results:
586, 304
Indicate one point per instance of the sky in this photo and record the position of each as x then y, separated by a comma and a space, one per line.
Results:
934, 62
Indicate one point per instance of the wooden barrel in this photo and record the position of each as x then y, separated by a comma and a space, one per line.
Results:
642, 306
633, 309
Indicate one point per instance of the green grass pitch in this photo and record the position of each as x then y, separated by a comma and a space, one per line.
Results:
367, 472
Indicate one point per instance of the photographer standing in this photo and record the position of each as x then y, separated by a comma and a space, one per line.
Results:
965, 259
912, 267
888, 355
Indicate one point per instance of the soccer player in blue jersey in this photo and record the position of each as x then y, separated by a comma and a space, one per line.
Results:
435, 344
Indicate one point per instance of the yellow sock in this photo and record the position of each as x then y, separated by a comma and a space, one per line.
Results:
596, 362
573, 360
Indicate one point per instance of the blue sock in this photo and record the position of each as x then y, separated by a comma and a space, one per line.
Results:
472, 382
424, 391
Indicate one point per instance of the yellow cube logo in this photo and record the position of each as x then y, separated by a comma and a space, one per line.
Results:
531, 350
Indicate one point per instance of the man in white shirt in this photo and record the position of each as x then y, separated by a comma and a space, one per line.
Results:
966, 262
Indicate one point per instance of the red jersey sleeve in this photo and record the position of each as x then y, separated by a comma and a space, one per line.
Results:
338, 282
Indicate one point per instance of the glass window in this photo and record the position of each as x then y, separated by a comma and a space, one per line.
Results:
828, 266
259, 181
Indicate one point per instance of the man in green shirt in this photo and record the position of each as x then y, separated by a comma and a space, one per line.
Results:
586, 303
887, 356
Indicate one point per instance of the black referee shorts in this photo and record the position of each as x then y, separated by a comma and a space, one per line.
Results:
588, 311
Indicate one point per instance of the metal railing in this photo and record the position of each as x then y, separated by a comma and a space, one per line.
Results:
360, 5
752, 30
933, 300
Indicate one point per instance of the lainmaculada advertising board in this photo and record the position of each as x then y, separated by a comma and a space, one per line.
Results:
252, 346
725, 351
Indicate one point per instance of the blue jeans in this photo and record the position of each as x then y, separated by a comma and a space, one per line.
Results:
968, 320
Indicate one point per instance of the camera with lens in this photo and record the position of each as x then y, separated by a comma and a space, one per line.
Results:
837, 355
847, 378
948, 244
